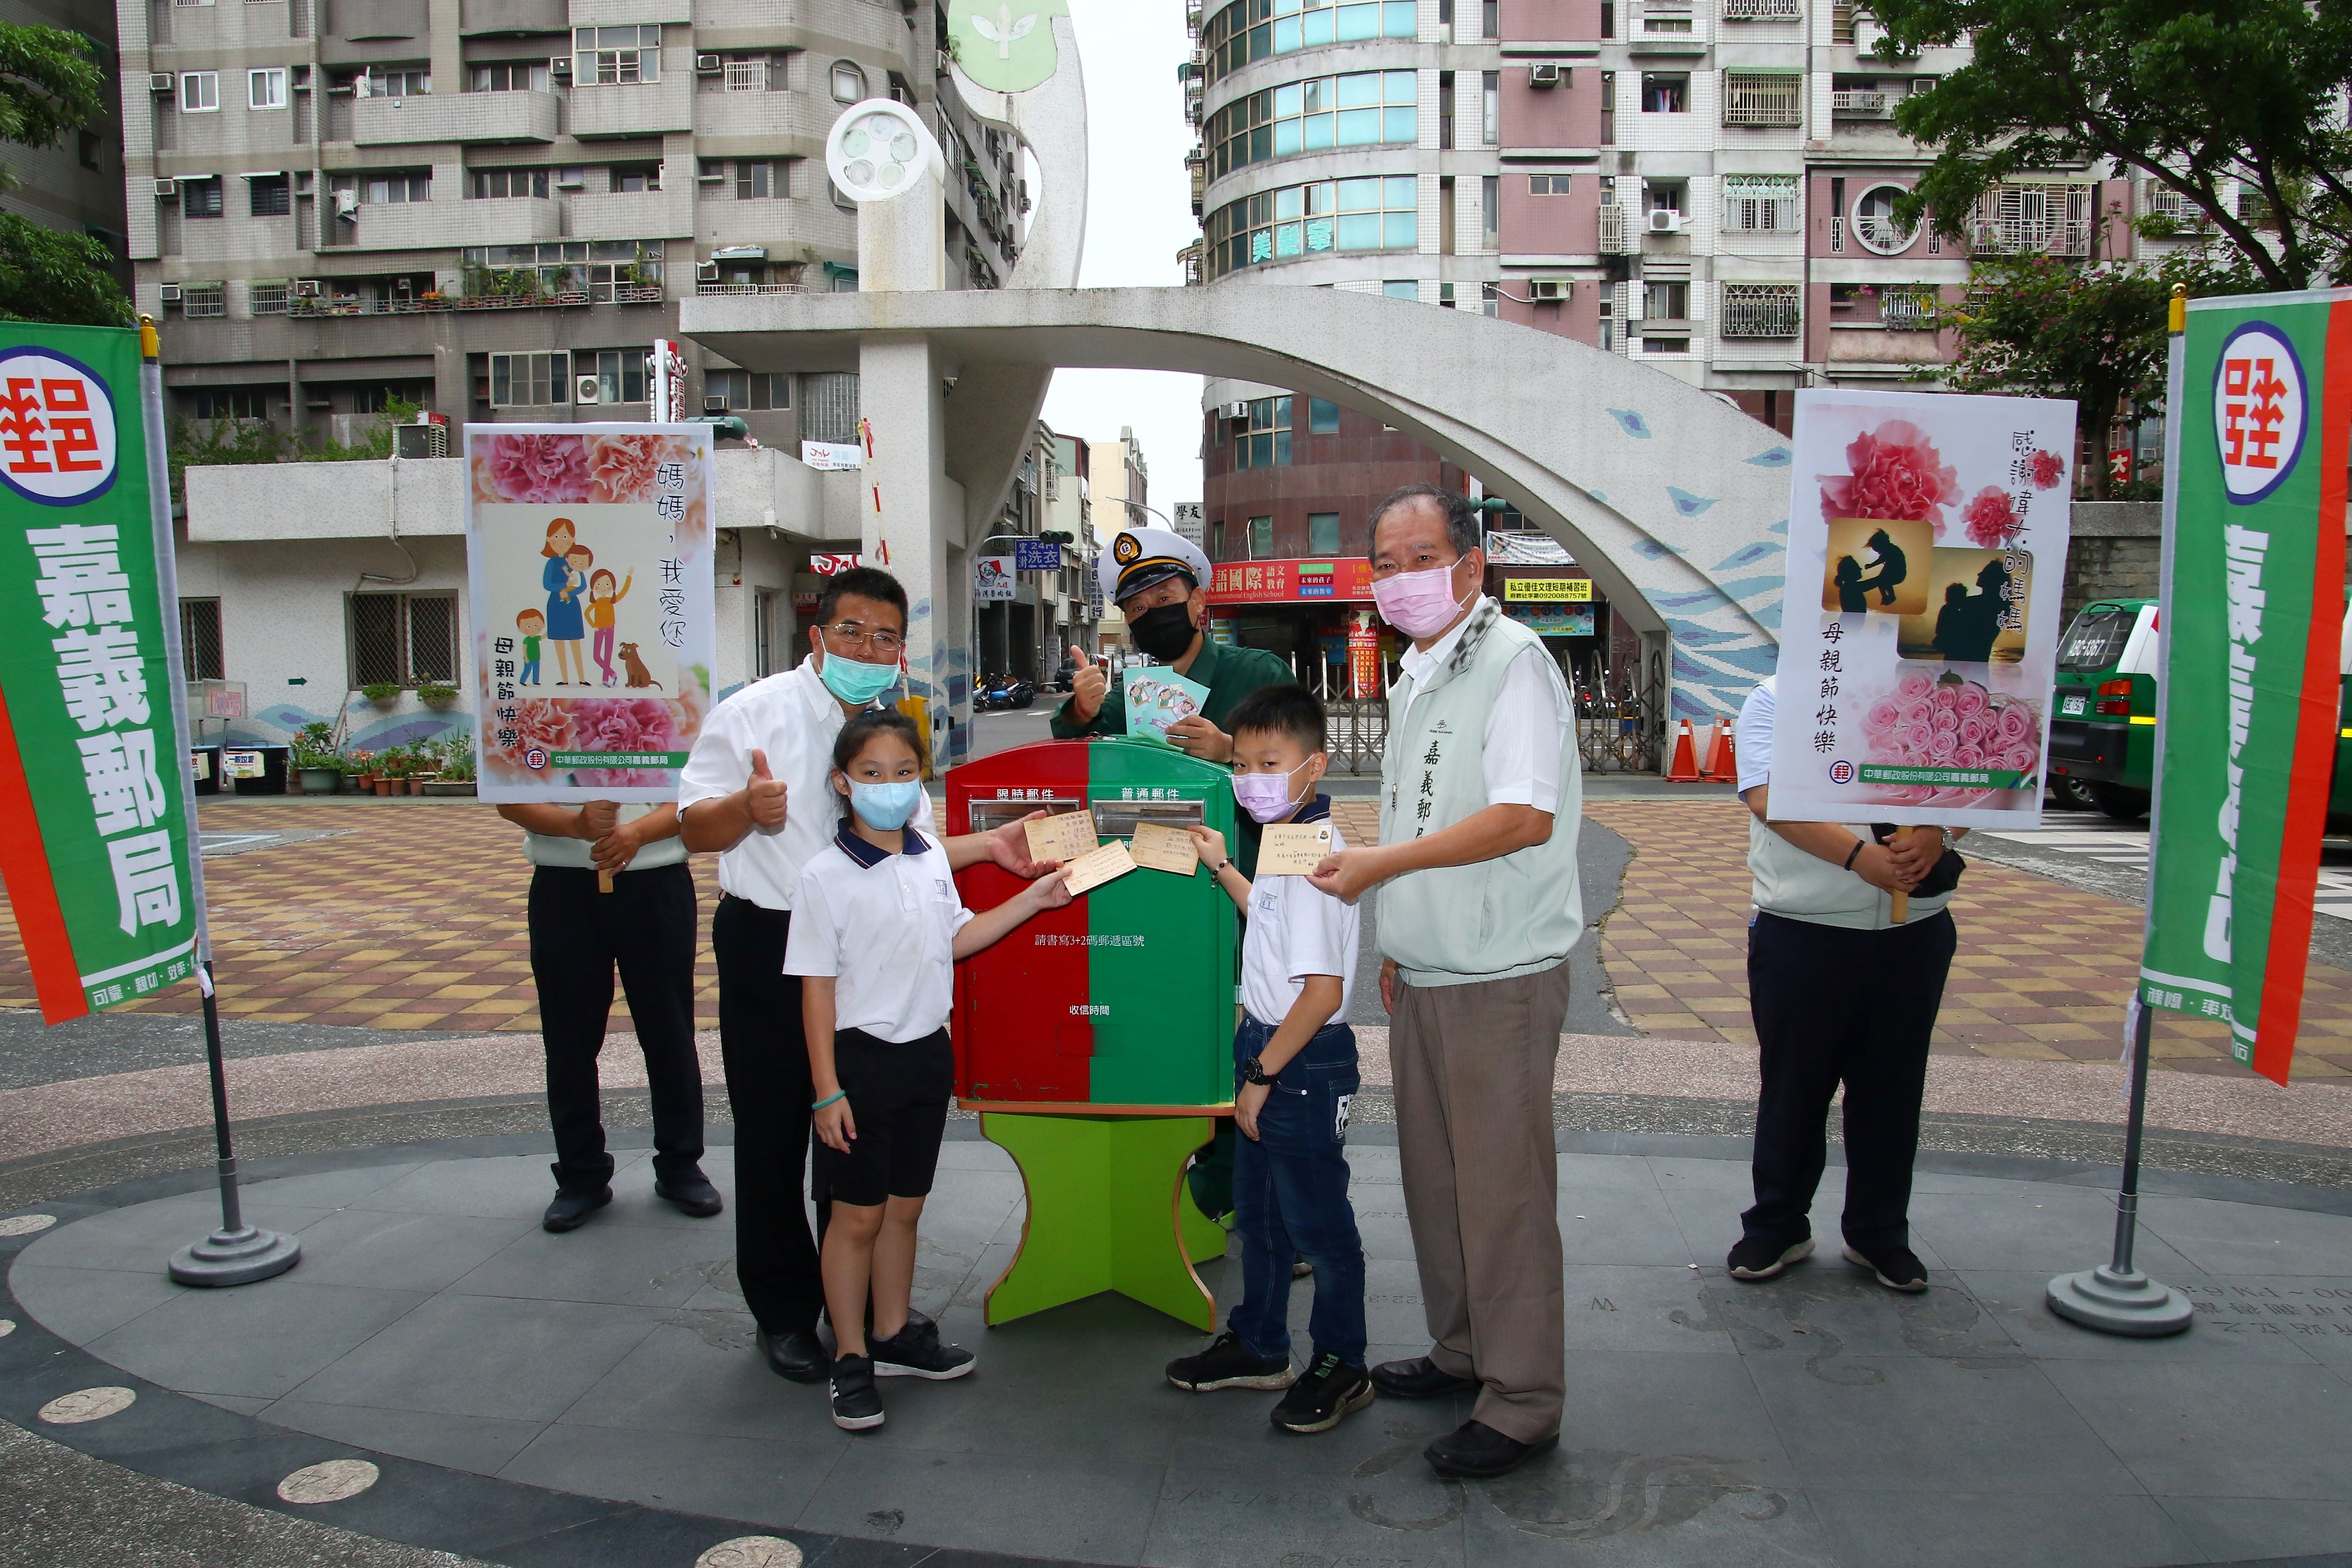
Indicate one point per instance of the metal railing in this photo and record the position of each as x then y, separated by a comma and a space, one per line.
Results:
2058, 237
1752, 98
1359, 729
1760, 310
1760, 10
1858, 103
1905, 311
750, 288
1612, 230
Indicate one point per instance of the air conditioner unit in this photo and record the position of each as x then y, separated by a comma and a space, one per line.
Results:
1547, 73
1548, 290
166, 189
159, 81
587, 389
715, 403
707, 64
1232, 410
363, 87
169, 293
1666, 220
706, 272
347, 206
561, 65
307, 289
569, 179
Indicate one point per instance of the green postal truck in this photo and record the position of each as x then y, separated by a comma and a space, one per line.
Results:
2102, 732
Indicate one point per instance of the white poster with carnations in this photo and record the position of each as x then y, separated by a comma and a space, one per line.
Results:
588, 563
1919, 633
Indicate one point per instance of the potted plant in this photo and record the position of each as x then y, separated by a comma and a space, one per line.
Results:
436, 696
314, 760
456, 772
393, 777
382, 693
362, 768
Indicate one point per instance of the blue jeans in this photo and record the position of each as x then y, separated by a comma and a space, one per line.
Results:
1290, 1199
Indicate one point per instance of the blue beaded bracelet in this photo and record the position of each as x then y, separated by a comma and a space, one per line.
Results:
837, 1094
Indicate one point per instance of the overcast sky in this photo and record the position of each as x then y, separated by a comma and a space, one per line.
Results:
1139, 216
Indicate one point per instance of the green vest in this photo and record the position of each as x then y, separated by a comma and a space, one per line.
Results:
1517, 915
1803, 886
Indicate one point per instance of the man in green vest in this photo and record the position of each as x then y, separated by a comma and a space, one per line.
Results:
1156, 576
1480, 802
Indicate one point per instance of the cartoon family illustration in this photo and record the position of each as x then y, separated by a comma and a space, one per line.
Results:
580, 597
1854, 588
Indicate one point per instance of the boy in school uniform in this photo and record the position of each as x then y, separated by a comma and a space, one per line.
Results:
878, 926
1295, 1074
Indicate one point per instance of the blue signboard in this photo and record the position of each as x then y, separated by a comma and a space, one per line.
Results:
1035, 555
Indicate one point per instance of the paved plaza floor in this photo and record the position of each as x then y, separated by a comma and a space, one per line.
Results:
514, 1389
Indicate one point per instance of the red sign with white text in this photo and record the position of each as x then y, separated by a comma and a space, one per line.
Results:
1291, 582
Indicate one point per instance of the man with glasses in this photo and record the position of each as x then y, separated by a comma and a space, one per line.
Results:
1479, 809
755, 791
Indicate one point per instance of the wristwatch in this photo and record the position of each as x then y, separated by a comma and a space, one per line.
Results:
1253, 1071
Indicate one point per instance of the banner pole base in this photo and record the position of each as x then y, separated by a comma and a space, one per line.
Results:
2119, 1301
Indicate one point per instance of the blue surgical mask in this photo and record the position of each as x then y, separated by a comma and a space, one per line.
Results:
885, 807
855, 682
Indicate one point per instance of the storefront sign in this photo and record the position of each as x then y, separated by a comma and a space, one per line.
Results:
833, 565
1553, 620
1916, 647
1037, 555
1291, 582
96, 824
2252, 610
992, 579
589, 568
828, 456
1364, 657
1570, 590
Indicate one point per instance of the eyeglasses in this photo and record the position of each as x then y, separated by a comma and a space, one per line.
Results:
852, 635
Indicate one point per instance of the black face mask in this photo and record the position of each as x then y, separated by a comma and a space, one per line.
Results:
1164, 633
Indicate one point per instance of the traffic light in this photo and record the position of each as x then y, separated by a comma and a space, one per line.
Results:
1057, 536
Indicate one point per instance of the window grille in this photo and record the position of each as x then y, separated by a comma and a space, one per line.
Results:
200, 639
1760, 310
1760, 10
272, 298
198, 300
2053, 219
746, 76
1762, 98
829, 408
402, 640
1759, 203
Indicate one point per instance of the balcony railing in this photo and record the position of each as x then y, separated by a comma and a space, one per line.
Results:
1760, 310
710, 289
1906, 312
1760, 10
1858, 104
1612, 230
2049, 237
1753, 98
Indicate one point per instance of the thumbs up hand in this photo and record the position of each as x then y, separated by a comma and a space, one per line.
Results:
763, 797
1087, 687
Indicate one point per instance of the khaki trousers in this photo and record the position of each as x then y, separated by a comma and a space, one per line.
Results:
1473, 1074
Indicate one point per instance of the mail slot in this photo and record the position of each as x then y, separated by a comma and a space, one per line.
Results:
1125, 996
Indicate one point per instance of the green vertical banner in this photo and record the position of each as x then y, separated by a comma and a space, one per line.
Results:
2253, 612
96, 824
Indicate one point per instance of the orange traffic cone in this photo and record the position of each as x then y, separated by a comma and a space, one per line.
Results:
1723, 764
1685, 767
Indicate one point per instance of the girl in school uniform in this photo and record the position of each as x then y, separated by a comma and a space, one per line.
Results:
878, 925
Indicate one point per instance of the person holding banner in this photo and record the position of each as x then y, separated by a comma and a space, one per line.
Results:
757, 791
1842, 992
579, 934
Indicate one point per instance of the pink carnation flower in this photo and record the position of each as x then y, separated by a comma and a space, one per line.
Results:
1898, 474
623, 467
623, 725
539, 469
1991, 520
2048, 468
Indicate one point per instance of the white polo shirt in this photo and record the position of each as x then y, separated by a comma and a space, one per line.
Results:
793, 719
1520, 753
884, 927
1296, 929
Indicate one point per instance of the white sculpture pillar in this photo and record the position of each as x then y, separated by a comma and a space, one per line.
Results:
883, 157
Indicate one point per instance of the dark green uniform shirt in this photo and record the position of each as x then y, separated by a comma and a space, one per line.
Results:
1230, 674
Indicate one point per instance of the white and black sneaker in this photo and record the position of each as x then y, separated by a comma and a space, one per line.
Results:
1227, 1363
915, 1350
1760, 1257
1326, 1396
856, 1404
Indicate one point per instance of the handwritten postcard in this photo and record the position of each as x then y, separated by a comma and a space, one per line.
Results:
1165, 848
1293, 849
1095, 867
1063, 836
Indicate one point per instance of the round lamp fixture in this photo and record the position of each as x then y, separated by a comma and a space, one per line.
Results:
878, 150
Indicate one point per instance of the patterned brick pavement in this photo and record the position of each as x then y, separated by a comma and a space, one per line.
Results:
412, 918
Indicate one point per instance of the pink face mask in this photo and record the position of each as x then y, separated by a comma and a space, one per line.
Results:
1266, 796
1417, 604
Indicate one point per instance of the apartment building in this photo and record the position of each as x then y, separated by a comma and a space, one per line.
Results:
1030, 633
1119, 488
76, 185
492, 207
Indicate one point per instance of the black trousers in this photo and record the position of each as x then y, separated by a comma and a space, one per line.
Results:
766, 1053
1837, 1006
644, 926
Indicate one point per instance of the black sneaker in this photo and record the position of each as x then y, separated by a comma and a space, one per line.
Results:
570, 1210
915, 1350
1897, 1267
1326, 1396
1759, 1258
1227, 1363
856, 1404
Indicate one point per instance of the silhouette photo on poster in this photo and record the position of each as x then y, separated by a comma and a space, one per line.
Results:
1977, 606
1877, 566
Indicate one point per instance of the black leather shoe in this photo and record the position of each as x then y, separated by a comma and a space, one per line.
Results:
1475, 1450
693, 1194
571, 1210
1416, 1379
798, 1355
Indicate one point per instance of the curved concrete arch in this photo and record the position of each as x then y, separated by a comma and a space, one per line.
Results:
1676, 503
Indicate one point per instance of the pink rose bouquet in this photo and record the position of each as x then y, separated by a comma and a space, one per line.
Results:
1925, 722
1896, 473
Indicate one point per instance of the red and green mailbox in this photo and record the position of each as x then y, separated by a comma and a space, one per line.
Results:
1096, 1040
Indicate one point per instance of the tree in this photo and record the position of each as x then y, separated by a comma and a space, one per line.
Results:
2041, 327
2191, 93
50, 83
47, 274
